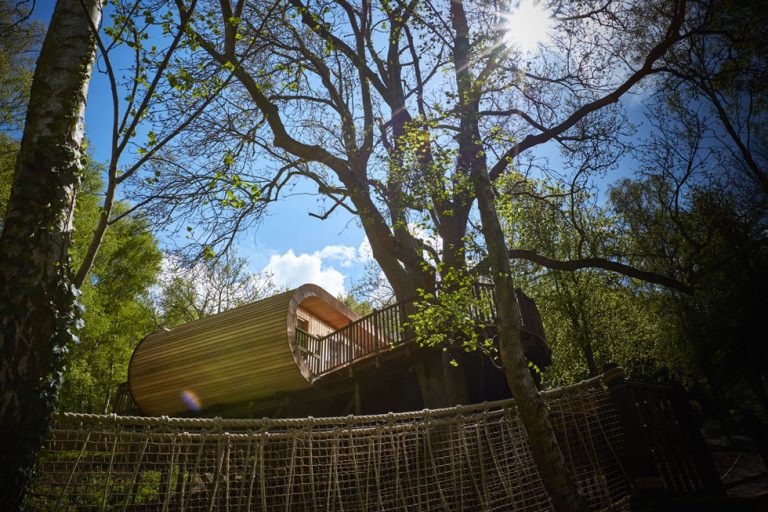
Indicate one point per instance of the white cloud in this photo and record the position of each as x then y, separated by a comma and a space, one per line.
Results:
345, 254
291, 270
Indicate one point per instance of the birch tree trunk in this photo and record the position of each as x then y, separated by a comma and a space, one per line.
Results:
37, 298
532, 409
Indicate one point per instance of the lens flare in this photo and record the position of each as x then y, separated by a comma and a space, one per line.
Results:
191, 400
527, 25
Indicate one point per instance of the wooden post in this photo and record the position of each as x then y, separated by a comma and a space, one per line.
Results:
358, 398
376, 330
429, 372
691, 429
455, 381
639, 463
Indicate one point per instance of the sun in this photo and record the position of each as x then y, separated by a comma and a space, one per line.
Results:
527, 24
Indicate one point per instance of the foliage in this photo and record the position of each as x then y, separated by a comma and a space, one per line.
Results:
591, 317
387, 117
714, 336
210, 287
121, 304
89, 494
449, 318
320, 91
372, 287
116, 308
361, 307
8, 150
20, 40
715, 89
154, 100
117, 311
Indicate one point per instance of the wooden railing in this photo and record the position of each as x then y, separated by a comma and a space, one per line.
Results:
484, 303
309, 346
679, 453
374, 333
665, 453
378, 332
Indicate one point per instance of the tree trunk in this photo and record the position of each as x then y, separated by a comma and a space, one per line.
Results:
472, 163
37, 299
533, 412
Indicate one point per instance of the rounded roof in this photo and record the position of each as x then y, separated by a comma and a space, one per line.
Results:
243, 354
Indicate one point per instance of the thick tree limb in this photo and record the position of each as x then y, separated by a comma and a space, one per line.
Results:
601, 263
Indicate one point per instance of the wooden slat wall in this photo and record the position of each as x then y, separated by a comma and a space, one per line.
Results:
240, 355
317, 327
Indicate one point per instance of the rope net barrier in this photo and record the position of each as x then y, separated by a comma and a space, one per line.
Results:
473, 457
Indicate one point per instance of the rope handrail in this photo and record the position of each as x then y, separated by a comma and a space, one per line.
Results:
329, 420
472, 457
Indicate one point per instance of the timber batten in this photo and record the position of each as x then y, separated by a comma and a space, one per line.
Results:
243, 354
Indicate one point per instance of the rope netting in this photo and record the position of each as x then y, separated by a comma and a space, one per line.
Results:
462, 458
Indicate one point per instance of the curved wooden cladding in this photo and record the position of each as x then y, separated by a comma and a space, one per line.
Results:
244, 354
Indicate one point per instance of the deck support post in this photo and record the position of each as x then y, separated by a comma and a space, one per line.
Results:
640, 465
455, 381
441, 384
358, 397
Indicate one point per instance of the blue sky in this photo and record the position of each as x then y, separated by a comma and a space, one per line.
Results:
293, 246
289, 243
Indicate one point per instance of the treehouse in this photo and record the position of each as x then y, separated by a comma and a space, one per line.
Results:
303, 352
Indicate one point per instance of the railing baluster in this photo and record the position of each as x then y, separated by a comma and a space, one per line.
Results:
375, 335
384, 328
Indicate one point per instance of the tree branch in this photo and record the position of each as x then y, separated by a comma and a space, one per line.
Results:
658, 51
601, 263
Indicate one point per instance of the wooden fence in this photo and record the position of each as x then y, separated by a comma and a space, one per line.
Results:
678, 450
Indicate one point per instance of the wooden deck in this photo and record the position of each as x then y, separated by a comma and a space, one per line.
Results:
377, 333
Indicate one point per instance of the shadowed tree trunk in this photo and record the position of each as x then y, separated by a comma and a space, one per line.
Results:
37, 299
533, 412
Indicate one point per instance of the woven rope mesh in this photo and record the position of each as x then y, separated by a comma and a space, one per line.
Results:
462, 458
